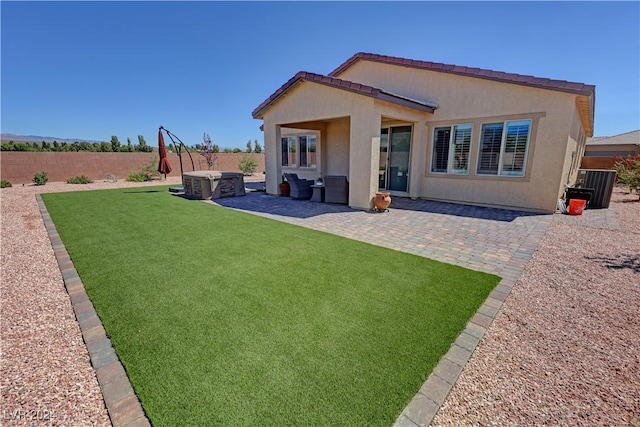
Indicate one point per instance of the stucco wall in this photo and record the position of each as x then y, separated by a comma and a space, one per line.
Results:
464, 100
350, 126
625, 148
314, 106
19, 167
337, 147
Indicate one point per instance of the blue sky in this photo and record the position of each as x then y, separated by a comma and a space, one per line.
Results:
89, 70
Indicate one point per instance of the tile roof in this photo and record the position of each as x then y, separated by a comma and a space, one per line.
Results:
498, 76
357, 88
632, 138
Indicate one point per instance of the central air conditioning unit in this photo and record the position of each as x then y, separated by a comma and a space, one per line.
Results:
602, 182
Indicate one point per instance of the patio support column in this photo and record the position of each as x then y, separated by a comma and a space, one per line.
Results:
272, 157
364, 157
419, 153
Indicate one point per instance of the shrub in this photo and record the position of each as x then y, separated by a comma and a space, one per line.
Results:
628, 169
80, 179
248, 164
4, 183
40, 178
137, 176
145, 172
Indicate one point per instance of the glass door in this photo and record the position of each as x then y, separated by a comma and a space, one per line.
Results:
395, 147
384, 158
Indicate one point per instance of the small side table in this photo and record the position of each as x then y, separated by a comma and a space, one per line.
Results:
318, 193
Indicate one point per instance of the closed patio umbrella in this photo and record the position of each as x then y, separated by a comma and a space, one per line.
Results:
163, 165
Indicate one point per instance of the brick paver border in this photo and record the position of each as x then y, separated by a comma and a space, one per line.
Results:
427, 402
122, 404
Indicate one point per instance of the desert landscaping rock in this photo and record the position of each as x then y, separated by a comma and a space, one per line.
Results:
46, 376
564, 348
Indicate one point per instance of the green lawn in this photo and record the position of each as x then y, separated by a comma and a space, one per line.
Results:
221, 317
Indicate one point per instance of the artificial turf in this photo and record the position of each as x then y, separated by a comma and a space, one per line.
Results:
222, 317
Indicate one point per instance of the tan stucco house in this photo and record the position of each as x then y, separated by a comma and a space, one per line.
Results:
428, 130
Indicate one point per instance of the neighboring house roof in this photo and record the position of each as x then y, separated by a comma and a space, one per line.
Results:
585, 101
357, 88
631, 138
499, 76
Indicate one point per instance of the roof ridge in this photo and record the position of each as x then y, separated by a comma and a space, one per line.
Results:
482, 73
348, 85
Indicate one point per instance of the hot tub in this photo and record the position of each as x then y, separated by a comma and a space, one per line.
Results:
213, 184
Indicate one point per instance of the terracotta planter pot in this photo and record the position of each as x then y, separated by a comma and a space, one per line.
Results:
285, 189
382, 201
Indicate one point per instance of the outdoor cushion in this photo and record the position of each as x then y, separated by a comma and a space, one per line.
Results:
336, 189
300, 188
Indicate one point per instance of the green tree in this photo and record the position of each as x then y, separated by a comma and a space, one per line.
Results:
215, 148
248, 164
105, 147
249, 149
257, 148
142, 145
115, 144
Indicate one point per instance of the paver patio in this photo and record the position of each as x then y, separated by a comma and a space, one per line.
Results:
491, 240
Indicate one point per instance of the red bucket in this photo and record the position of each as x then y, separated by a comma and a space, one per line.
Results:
576, 206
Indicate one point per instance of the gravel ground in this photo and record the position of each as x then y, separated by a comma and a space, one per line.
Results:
564, 350
46, 377
565, 347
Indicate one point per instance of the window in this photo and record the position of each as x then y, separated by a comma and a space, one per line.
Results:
306, 145
451, 146
503, 148
288, 151
308, 151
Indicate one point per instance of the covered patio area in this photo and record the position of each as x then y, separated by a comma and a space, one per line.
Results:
328, 126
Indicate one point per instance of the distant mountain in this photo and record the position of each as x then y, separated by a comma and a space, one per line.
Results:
35, 138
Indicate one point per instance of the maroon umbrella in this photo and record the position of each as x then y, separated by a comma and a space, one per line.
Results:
163, 166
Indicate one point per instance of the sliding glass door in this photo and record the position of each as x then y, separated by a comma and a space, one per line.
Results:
395, 147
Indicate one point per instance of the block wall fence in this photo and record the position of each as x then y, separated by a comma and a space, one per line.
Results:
598, 163
18, 167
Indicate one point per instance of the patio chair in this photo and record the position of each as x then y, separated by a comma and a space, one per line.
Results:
336, 189
300, 188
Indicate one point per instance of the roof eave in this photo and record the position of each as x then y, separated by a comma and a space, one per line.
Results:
345, 85
485, 74
405, 102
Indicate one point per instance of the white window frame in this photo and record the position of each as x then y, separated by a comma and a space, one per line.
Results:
307, 152
293, 156
503, 146
291, 141
451, 169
